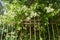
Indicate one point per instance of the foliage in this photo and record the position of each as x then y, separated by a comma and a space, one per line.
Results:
18, 10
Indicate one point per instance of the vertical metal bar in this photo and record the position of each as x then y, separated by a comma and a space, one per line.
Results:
21, 36
15, 32
48, 31
39, 33
2, 32
57, 30
11, 35
25, 30
34, 30
21, 33
53, 31
39, 29
44, 36
30, 29
30, 33
15, 35
7, 33
43, 32
12, 32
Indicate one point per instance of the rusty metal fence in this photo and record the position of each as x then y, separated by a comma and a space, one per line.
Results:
31, 30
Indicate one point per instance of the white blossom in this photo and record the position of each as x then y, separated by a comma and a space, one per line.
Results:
26, 14
24, 7
28, 18
58, 10
33, 14
49, 9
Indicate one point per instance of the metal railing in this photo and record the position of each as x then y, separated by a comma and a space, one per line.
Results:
31, 30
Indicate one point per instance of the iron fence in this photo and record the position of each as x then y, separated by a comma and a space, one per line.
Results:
33, 29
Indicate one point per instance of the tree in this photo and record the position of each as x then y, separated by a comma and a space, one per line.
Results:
18, 10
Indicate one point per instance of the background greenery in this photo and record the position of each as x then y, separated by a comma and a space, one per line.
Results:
19, 10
